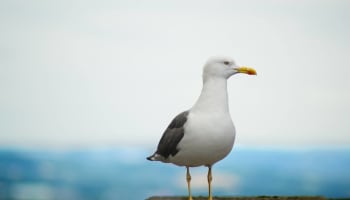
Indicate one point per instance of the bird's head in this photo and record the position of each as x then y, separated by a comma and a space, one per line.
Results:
221, 67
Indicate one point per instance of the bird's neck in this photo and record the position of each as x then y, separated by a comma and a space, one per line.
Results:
213, 97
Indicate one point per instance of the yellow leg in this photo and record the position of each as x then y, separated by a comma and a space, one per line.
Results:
210, 178
188, 179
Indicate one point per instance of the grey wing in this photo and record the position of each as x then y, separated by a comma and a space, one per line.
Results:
172, 136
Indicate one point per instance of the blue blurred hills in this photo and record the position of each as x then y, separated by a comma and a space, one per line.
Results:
124, 173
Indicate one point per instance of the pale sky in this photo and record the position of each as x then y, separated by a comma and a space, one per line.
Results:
114, 73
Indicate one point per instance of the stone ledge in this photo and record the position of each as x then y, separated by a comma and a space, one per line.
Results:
241, 198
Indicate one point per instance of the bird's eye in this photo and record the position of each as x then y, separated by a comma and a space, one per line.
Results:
226, 62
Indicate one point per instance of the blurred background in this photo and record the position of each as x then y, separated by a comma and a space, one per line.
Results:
88, 87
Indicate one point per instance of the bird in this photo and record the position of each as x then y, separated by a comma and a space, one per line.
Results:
205, 133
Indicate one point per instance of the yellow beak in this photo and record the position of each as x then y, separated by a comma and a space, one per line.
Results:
246, 70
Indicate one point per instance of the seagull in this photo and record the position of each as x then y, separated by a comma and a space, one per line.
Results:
204, 134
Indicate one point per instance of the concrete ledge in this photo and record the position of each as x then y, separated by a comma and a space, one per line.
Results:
241, 198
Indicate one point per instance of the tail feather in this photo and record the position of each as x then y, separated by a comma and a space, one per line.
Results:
152, 157
156, 157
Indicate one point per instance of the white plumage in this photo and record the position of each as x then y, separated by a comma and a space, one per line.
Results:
204, 134
209, 131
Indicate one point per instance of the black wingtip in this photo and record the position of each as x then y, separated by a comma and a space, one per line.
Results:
150, 158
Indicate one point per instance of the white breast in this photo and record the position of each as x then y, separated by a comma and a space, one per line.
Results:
209, 131
208, 138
